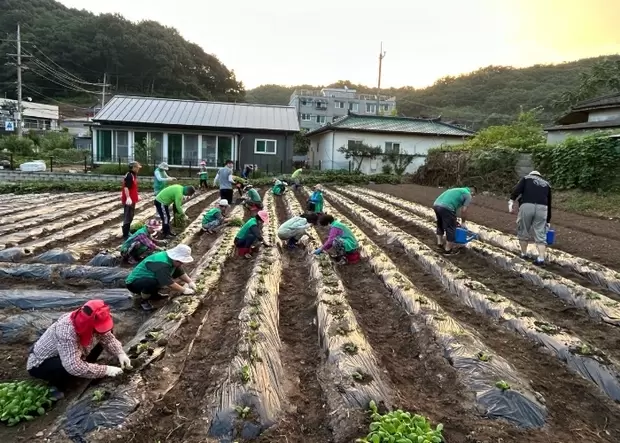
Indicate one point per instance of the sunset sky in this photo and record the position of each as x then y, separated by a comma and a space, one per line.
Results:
318, 42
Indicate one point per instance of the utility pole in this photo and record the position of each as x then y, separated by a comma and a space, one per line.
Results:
105, 81
381, 56
18, 117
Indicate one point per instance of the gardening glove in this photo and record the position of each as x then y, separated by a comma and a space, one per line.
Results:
510, 206
188, 291
548, 226
113, 371
123, 359
129, 201
463, 225
318, 251
192, 285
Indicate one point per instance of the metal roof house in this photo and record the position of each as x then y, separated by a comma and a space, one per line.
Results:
185, 132
393, 134
586, 117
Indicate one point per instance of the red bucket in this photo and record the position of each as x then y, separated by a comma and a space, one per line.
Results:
353, 257
242, 251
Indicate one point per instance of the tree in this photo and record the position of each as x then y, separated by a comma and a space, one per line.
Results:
358, 151
301, 143
398, 161
602, 78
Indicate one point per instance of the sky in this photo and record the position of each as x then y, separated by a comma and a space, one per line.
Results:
318, 42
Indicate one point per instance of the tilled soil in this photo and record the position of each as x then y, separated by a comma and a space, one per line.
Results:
588, 237
307, 417
577, 409
513, 287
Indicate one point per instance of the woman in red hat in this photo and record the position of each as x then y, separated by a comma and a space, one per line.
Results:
70, 347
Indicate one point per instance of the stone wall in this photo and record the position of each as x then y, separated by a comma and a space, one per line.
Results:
524, 165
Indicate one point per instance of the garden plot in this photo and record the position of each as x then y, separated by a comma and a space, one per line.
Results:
581, 357
597, 305
595, 272
22, 203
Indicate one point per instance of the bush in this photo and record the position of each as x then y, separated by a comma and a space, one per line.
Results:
386, 169
52, 141
121, 169
17, 146
37, 187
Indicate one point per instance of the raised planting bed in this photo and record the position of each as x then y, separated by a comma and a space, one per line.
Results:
479, 368
597, 305
581, 357
353, 375
19, 205
62, 274
595, 272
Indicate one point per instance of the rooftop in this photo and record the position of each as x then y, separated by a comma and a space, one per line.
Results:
579, 112
339, 93
189, 113
601, 124
402, 125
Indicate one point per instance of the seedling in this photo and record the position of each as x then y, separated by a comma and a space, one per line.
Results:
361, 377
99, 395
172, 316
547, 328
482, 356
245, 374
502, 385
350, 348
242, 411
591, 295
584, 349
142, 347
254, 311
342, 330
19, 401
494, 298
155, 335
252, 337
253, 324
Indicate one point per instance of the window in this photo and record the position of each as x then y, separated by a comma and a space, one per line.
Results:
140, 137
190, 154
209, 150
224, 149
339, 105
104, 146
122, 145
306, 117
157, 142
306, 102
353, 143
175, 149
391, 147
353, 107
262, 146
371, 108
320, 119
386, 108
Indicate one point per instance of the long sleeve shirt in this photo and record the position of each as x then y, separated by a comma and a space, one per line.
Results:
61, 340
144, 239
292, 226
535, 190
172, 194
161, 175
334, 233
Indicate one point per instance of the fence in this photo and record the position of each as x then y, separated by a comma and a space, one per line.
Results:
73, 160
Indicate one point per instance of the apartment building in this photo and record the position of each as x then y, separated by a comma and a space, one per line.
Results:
316, 108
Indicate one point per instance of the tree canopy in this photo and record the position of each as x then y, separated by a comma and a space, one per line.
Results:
67, 52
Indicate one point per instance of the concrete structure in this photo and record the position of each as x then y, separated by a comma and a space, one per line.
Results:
185, 132
316, 108
37, 116
392, 134
78, 127
586, 118
78, 176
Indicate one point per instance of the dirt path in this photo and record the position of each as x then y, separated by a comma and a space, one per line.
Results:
576, 408
301, 355
587, 237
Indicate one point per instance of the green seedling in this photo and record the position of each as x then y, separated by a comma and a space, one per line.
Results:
494, 298
591, 295
236, 222
253, 324
254, 311
252, 337
254, 357
242, 411
350, 348
584, 349
21, 401
172, 316
142, 347
547, 328
342, 330
502, 385
98, 395
245, 374
155, 335
482, 356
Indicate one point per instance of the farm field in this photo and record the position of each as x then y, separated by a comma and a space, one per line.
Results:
291, 347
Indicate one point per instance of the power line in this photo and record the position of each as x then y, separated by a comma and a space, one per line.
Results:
66, 72
63, 84
61, 78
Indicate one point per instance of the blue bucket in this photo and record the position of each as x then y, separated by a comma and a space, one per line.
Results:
550, 236
462, 236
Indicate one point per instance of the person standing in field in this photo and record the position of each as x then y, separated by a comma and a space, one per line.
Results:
172, 195
315, 202
296, 176
534, 196
446, 207
129, 196
214, 219
247, 171
295, 228
161, 177
204, 175
340, 239
226, 180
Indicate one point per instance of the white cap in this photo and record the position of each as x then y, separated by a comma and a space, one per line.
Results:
223, 202
535, 173
182, 253
164, 166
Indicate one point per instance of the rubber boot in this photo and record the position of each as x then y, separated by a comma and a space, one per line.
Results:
126, 229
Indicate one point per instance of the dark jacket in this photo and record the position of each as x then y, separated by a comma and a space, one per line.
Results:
535, 190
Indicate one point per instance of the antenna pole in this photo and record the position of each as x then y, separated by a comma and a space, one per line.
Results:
381, 56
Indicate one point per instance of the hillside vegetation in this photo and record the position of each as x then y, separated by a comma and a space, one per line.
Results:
64, 46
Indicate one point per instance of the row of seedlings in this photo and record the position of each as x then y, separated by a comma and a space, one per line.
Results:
597, 305
22, 203
353, 377
595, 272
252, 395
583, 358
89, 413
485, 373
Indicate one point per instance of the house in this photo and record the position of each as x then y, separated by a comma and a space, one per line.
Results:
76, 126
318, 107
392, 134
587, 117
185, 132
36, 116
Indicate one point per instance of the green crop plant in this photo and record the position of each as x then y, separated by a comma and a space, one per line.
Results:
98, 395
242, 411
19, 401
253, 324
483, 356
502, 385
401, 427
245, 374
171, 316
142, 347
350, 348
155, 335
236, 222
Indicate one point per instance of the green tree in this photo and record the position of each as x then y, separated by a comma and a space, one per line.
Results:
145, 152
358, 151
301, 143
398, 161
602, 78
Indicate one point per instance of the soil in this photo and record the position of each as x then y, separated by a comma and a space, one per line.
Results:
301, 355
577, 409
588, 237
511, 286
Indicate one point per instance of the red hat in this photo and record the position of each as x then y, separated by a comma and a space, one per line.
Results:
94, 316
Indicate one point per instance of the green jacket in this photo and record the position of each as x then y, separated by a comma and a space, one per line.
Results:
277, 189
349, 240
254, 195
204, 174
243, 232
453, 199
211, 215
142, 269
172, 194
127, 243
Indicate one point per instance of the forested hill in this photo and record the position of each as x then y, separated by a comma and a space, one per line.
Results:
69, 50
491, 95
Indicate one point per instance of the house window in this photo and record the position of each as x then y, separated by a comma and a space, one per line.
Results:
353, 107
353, 143
104, 146
371, 108
224, 149
209, 150
122, 145
320, 119
190, 148
339, 105
306, 117
385, 108
175, 149
306, 102
140, 137
392, 148
262, 146
157, 143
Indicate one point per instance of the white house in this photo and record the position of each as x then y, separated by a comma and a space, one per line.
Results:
401, 134
37, 116
587, 117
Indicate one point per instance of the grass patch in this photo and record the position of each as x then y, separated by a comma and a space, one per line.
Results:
588, 203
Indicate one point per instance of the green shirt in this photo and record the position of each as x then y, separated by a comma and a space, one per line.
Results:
277, 189
172, 194
204, 174
349, 240
127, 243
149, 267
254, 195
453, 199
297, 173
246, 228
211, 215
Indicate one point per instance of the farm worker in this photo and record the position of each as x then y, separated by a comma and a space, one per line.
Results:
446, 206
534, 218
214, 218
161, 177
141, 243
253, 201
161, 270
204, 175
247, 171
278, 187
250, 233
296, 176
315, 202
129, 196
172, 195
240, 182
341, 239
225, 178
295, 228
70, 347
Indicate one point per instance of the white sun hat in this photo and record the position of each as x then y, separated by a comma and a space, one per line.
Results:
223, 202
535, 173
182, 253
164, 166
